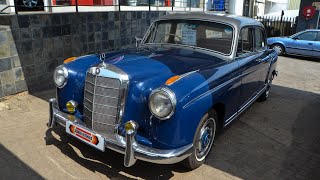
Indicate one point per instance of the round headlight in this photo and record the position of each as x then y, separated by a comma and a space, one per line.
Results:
162, 103
60, 76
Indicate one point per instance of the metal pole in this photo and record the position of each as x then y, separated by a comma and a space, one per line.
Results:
204, 5
172, 4
77, 6
15, 6
190, 6
119, 5
149, 5
318, 20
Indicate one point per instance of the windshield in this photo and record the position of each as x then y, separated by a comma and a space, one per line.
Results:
210, 35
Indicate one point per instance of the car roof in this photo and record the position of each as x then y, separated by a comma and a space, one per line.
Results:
236, 21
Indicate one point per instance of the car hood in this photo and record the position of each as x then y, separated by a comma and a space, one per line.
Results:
147, 68
141, 63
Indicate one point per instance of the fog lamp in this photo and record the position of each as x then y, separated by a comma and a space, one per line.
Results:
131, 126
71, 106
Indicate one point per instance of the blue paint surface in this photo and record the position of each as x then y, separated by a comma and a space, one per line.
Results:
215, 81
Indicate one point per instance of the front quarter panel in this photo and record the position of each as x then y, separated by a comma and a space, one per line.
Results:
180, 128
196, 94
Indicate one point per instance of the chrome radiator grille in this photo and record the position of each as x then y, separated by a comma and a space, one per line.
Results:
103, 101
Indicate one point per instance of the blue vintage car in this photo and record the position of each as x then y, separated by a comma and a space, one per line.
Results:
164, 101
305, 43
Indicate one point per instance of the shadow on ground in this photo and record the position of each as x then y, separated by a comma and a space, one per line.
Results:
11, 167
276, 139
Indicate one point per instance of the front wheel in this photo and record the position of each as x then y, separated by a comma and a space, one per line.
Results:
202, 141
278, 48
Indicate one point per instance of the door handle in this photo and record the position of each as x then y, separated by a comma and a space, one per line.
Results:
258, 60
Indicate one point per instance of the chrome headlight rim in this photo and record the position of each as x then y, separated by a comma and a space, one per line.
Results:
171, 96
65, 73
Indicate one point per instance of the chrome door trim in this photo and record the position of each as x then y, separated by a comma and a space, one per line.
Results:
244, 107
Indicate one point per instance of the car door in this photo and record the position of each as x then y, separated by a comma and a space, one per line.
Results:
316, 47
260, 49
249, 62
303, 43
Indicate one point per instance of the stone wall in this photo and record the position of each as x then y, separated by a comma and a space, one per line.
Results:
33, 45
11, 76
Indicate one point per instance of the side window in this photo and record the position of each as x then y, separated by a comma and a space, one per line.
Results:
245, 44
308, 36
318, 36
259, 39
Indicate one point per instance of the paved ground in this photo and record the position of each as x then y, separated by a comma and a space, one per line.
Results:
277, 139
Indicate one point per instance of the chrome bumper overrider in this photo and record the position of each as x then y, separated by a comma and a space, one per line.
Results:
125, 145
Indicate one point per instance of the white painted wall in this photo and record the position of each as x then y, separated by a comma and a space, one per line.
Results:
236, 7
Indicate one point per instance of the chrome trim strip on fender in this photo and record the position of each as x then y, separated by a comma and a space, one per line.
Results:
210, 91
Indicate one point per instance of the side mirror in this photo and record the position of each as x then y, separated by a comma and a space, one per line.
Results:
138, 41
295, 38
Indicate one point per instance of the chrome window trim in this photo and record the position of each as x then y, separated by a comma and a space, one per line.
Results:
233, 49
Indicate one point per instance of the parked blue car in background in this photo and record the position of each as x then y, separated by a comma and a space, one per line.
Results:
305, 43
163, 101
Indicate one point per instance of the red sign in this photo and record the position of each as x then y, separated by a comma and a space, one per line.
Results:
84, 135
308, 12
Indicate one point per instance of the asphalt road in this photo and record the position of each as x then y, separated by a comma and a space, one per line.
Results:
276, 139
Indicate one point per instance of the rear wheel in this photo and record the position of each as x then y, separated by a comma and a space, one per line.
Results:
278, 48
202, 141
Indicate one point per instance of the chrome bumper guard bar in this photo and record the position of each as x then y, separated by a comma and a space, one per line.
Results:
125, 145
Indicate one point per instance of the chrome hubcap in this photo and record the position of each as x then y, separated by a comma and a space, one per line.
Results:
278, 49
205, 139
30, 3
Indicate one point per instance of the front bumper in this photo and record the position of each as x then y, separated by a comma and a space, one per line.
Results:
125, 145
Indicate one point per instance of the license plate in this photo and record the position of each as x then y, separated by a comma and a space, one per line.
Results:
85, 136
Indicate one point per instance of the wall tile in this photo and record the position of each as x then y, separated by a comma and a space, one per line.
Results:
7, 77
5, 64
3, 37
21, 86
4, 50
18, 74
9, 89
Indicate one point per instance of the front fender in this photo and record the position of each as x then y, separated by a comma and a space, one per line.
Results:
179, 130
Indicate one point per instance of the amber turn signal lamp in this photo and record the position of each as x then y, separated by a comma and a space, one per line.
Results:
131, 126
71, 106
69, 59
172, 80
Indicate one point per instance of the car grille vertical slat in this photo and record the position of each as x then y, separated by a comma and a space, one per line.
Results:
101, 103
